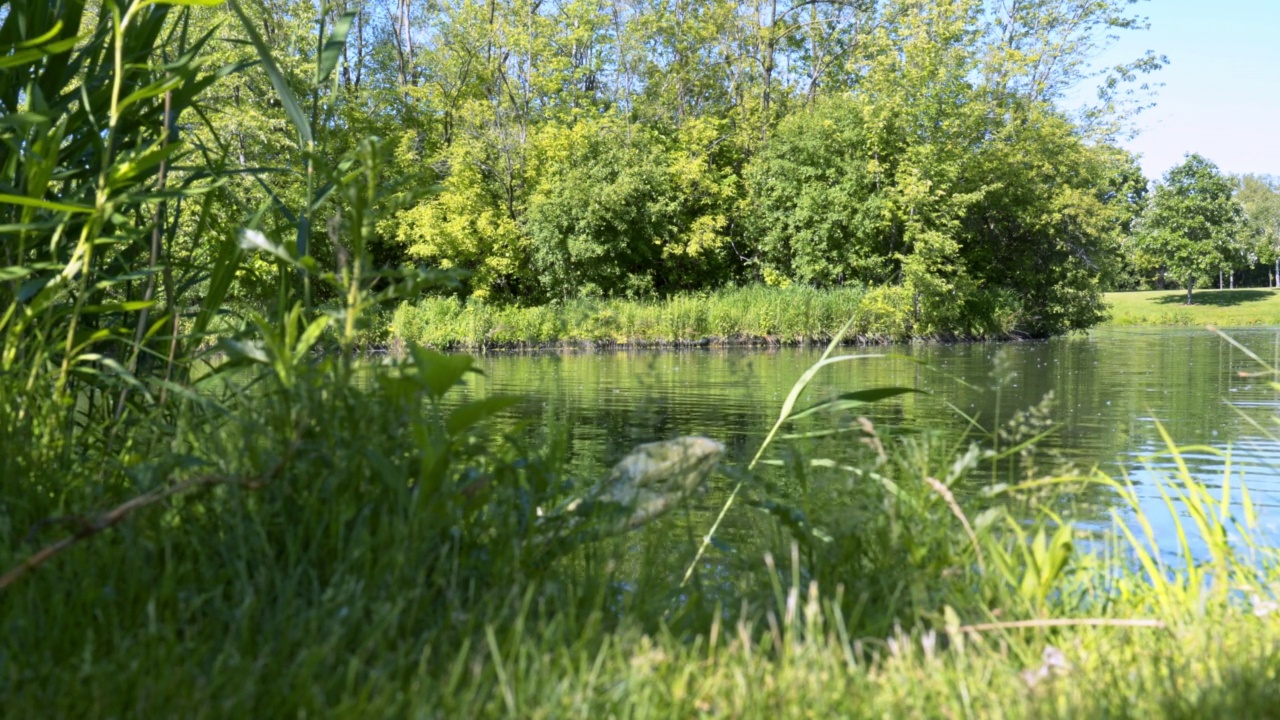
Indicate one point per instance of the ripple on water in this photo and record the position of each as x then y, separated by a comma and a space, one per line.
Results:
1110, 388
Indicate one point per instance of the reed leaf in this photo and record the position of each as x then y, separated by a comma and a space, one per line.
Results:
331, 52
278, 81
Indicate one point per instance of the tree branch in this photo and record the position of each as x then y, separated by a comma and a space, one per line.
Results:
93, 526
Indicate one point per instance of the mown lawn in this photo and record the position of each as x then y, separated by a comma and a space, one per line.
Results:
1224, 308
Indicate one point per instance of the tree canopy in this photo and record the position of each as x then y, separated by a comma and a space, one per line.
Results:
639, 148
1260, 197
1194, 226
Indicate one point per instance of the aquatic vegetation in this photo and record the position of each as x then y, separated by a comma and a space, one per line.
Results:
756, 314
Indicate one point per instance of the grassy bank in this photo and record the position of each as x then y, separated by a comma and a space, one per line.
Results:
760, 315
1223, 308
352, 544
750, 315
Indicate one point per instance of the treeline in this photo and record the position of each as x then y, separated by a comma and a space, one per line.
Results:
1199, 227
1259, 196
638, 148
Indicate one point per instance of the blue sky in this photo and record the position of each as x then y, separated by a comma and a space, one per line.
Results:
1221, 94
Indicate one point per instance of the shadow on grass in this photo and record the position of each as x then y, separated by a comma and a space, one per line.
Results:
1216, 298
1249, 692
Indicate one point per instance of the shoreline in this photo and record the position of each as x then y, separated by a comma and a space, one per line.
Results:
596, 326
753, 316
396, 348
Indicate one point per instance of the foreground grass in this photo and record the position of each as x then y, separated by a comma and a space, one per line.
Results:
1216, 665
749, 315
365, 552
1223, 308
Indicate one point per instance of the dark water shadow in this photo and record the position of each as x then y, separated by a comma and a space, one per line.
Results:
1217, 298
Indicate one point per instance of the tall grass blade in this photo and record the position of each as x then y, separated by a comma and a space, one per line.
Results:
787, 406
331, 53
278, 81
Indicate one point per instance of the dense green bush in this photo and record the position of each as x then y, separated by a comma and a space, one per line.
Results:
865, 189
818, 202
623, 211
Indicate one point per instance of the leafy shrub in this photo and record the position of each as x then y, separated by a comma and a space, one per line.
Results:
886, 312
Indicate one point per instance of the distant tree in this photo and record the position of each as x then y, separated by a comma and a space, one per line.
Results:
1193, 225
1261, 199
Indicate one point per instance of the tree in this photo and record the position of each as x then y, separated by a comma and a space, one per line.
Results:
1191, 228
595, 225
654, 146
925, 179
1261, 199
1125, 190
619, 215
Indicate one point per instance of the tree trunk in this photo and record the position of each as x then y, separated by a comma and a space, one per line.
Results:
1189, 286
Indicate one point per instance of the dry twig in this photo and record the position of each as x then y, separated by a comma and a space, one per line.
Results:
1064, 622
92, 526
945, 492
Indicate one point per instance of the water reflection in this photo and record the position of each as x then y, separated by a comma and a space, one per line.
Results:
1110, 389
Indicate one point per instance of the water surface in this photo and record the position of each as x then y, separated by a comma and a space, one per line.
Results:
1109, 389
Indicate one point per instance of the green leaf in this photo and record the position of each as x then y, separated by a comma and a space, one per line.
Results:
158, 87
438, 373
13, 273
23, 119
225, 265
854, 399
254, 241
332, 50
38, 41
120, 307
116, 369
800, 385
310, 336
186, 3
130, 167
238, 350
278, 80
43, 204
22, 57
468, 415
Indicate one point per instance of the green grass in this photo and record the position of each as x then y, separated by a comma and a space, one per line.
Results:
363, 552
759, 315
1223, 308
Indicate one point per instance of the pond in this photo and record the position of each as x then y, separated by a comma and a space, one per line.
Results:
1109, 389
